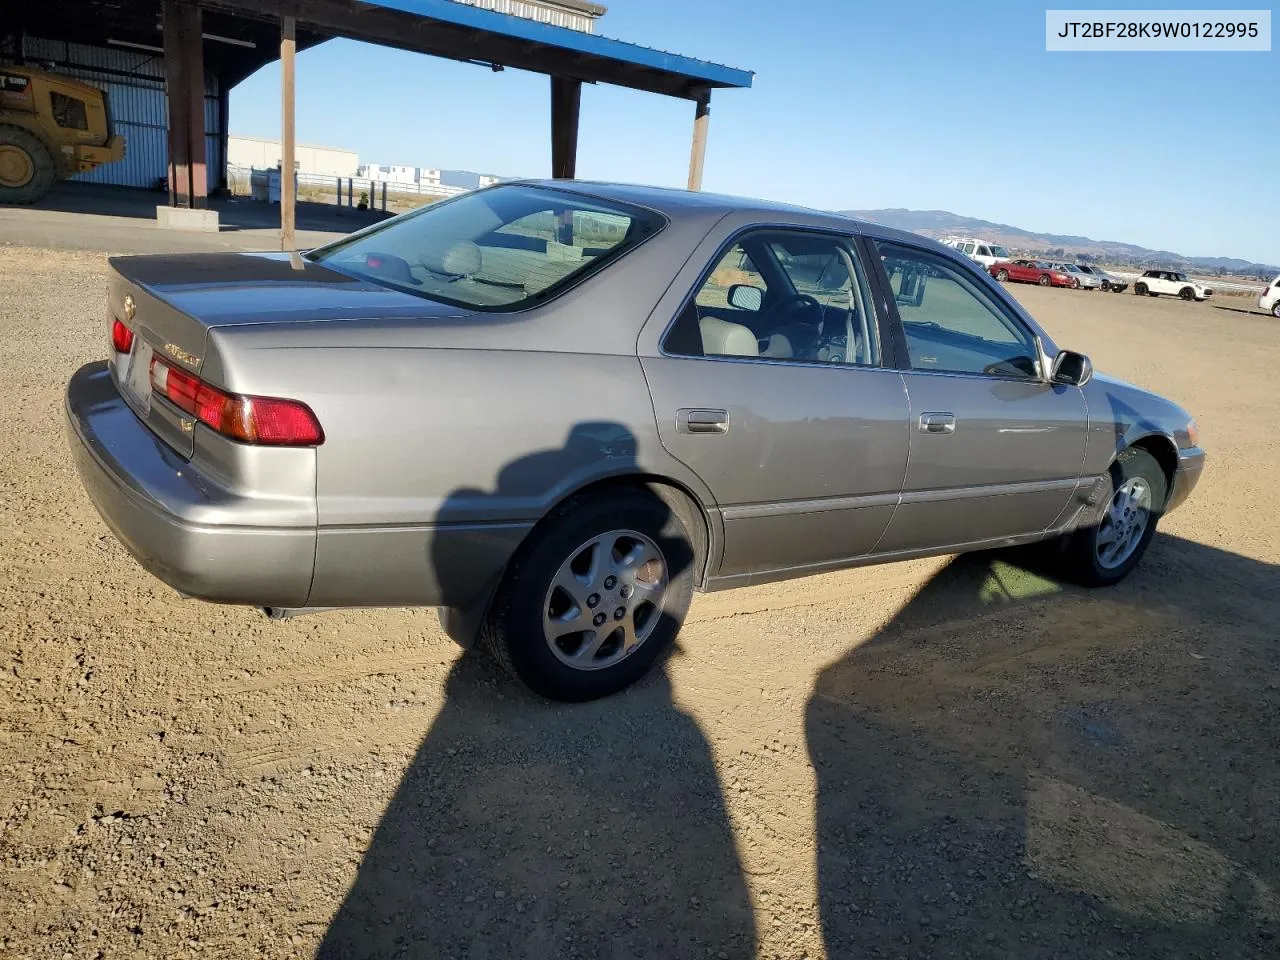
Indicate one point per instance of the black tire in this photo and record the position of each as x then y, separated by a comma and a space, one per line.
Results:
1106, 285
1186, 293
513, 632
1044, 280
42, 174
1275, 309
1079, 561
1003, 276
1150, 294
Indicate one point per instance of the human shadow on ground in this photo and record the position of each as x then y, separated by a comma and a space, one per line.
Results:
1013, 767
524, 828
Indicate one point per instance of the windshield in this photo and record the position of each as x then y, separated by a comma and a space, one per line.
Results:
497, 249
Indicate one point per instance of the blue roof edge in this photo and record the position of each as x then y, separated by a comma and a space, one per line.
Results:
464, 15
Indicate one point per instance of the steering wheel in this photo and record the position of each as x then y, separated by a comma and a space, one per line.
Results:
800, 330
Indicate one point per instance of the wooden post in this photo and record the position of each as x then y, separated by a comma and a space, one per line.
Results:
179, 102
193, 57
698, 154
566, 98
288, 47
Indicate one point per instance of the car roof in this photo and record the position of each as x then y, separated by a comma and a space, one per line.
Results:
676, 203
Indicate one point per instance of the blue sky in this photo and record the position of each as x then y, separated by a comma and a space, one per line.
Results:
926, 105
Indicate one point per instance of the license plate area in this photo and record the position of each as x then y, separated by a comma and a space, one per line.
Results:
137, 379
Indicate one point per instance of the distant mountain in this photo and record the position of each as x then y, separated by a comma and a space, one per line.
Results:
941, 223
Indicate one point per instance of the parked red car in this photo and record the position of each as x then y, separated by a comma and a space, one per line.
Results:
1030, 271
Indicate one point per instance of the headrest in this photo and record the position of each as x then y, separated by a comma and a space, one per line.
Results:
458, 259
720, 338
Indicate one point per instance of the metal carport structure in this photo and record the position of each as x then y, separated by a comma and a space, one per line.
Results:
235, 37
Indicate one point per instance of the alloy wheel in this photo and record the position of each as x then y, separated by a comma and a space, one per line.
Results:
1124, 523
605, 600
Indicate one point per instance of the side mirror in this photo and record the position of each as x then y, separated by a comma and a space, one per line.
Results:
1073, 369
746, 297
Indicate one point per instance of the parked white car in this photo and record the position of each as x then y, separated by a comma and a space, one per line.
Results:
980, 251
1270, 299
1173, 283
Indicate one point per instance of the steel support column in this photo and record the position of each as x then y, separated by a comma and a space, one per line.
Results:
698, 153
288, 47
566, 99
184, 88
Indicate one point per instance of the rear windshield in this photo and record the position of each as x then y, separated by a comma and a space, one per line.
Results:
497, 249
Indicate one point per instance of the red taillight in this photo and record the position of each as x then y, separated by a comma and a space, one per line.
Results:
121, 336
259, 420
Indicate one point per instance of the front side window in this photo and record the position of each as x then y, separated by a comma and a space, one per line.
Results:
1000, 252
951, 324
497, 249
781, 295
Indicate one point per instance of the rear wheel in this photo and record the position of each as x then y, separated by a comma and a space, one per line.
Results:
26, 166
1106, 285
1044, 280
1114, 536
1275, 309
594, 597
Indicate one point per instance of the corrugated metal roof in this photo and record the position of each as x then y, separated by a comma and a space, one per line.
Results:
475, 18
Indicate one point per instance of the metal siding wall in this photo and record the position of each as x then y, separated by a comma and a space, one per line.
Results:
139, 108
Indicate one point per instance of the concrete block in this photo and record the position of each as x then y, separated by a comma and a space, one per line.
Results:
187, 218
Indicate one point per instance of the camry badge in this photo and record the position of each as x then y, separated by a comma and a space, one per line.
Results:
130, 308
190, 359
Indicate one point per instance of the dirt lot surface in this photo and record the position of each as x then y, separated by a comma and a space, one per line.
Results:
931, 759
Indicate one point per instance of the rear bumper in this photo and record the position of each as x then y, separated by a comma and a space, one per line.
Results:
180, 526
1185, 477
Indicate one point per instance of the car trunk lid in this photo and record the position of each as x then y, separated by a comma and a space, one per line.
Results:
171, 302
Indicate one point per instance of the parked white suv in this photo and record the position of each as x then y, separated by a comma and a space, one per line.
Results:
1270, 299
980, 251
1173, 283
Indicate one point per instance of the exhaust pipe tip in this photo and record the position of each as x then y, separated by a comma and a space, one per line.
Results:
287, 613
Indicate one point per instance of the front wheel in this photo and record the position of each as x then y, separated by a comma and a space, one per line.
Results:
26, 167
1116, 532
1002, 276
1044, 280
1186, 293
1106, 285
1140, 289
594, 597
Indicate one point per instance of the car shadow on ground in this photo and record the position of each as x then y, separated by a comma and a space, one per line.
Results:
1249, 310
525, 828
986, 787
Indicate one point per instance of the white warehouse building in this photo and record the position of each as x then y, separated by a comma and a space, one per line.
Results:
264, 154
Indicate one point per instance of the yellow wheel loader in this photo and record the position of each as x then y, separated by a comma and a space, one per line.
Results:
51, 128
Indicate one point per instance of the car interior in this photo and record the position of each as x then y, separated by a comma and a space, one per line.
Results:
786, 296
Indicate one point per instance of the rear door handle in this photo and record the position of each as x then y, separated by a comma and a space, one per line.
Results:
937, 423
700, 420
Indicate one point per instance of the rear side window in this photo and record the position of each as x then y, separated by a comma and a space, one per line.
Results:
499, 249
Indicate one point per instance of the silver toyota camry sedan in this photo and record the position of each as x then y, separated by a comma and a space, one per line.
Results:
555, 410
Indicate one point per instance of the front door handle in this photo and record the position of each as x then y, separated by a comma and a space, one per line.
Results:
937, 423
700, 420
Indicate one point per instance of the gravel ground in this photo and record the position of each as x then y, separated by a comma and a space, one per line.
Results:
931, 759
